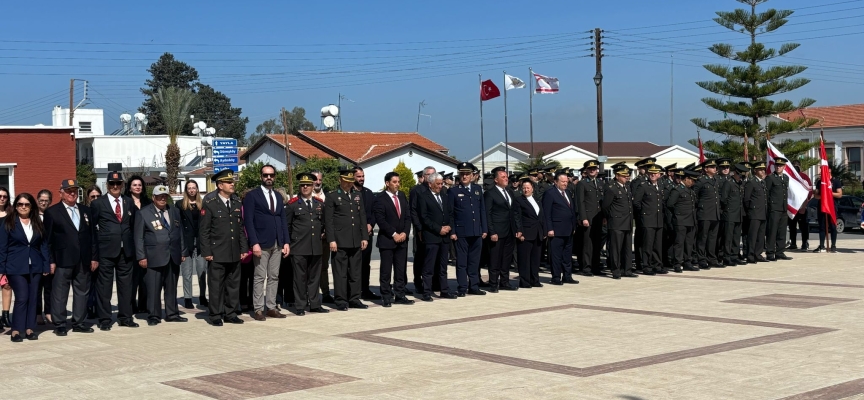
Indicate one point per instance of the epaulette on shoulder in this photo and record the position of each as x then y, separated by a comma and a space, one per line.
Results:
210, 196
294, 200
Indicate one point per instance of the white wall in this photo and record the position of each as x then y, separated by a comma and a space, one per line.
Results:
377, 168
273, 154
60, 117
495, 157
134, 151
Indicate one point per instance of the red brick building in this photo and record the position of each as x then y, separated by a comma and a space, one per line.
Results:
33, 158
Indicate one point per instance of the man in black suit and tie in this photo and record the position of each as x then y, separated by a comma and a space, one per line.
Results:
533, 232
504, 221
160, 248
267, 229
434, 216
368, 204
560, 220
589, 219
113, 216
392, 213
422, 186
74, 256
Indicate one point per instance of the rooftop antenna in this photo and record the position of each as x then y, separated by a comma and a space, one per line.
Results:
420, 106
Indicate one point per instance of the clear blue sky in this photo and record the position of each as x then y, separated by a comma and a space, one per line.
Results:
387, 56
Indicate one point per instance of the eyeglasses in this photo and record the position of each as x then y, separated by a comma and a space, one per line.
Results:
115, 183
25, 205
94, 197
43, 201
268, 175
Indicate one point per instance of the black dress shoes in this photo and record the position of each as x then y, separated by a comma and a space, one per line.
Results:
403, 300
447, 295
319, 310
521, 286
536, 285
782, 256
616, 276
730, 263
571, 281
556, 282
342, 307
704, 266
648, 272
300, 313
187, 304
771, 258
508, 287
105, 326
234, 320
357, 304
427, 298
327, 298
217, 322
152, 321
128, 323
587, 273
477, 292
386, 303
663, 271
630, 275
203, 301
32, 336
460, 294
678, 269
176, 319
492, 290
691, 267
82, 329
368, 295
483, 284
60, 331
761, 259
17, 338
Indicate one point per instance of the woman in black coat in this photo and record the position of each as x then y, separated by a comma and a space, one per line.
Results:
530, 244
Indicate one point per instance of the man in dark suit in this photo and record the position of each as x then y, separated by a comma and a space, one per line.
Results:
707, 190
74, 255
468, 214
777, 185
756, 204
419, 247
503, 221
267, 229
589, 219
648, 204
560, 216
113, 215
618, 208
436, 226
305, 216
368, 204
730, 225
391, 211
345, 225
533, 231
223, 244
159, 248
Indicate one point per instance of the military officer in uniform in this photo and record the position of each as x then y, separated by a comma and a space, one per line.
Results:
756, 204
681, 203
777, 185
223, 243
745, 220
667, 182
648, 205
641, 168
589, 219
707, 215
618, 208
345, 224
468, 214
305, 219
730, 216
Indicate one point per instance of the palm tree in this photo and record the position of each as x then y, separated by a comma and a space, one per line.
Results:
536, 163
174, 105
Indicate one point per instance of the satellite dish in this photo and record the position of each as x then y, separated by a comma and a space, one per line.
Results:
196, 131
334, 111
139, 117
201, 125
325, 111
210, 131
329, 121
125, 118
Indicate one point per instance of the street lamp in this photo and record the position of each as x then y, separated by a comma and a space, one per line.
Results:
598, 81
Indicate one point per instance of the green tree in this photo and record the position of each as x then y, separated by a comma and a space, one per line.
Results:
250, 177
536, 163
166, 72
85, 175
174, 105
406, 178
296, 121
267, 127
329, 168
214, 108
752, 86
734, 150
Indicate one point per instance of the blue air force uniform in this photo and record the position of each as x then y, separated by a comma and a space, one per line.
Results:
468, 213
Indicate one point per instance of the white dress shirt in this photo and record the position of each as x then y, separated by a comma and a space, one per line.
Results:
505, 194
112, 199
533, 204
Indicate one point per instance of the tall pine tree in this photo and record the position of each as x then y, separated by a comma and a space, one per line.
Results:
750, 84
165, 72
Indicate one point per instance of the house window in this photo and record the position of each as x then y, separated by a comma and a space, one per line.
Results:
7, 178
853, 160
85, 127
4, 178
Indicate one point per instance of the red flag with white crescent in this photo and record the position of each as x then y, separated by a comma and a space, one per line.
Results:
826, 191
488, 90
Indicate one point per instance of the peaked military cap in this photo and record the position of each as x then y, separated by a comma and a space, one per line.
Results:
671, 166
591, 164
691, 174
645, 161
709, 163
724, 162
225, 175
305, 179
346, 174
466, 167
621, 169
780, 161
758, 165
740, 167
654, 169
496, 169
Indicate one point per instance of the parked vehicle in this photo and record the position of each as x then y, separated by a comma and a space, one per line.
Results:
848, 212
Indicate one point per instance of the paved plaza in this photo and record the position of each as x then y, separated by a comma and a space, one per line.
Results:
780, 330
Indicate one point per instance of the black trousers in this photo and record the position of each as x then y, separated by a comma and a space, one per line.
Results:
637, 246
285, 288
306, 275
247, 273
591, 242
756, 238
832, 230
682, 249
324, 261
419, 259
159, 279
43, 295
366, 272
560, 250
745, 237
77, 277
139, 289
706, 242
435, 267
346, 275
619, 251
110, 269
500, 258
468, 251
652, 249
223, 279
394, 265
667, 243
731, 238
775, 234
799, 223
529, 261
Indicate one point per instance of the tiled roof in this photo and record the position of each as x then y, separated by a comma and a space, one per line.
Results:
363, 146
300, 146
612, 149
831, 116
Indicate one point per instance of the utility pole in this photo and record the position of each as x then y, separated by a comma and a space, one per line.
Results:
71, 100
290, 187
598, 81
419, 107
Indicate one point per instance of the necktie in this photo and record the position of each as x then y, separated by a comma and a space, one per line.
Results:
506, 197
396, 203
75, 219
228, 204
164, 221
309, 204
438, 198
117, 211
565, 197
272, 202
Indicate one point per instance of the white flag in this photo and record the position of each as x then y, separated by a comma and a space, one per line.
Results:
512, 82
546, 84
798, 187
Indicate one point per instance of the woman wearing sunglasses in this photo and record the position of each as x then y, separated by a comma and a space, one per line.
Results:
5, 289
93, 193
23, 260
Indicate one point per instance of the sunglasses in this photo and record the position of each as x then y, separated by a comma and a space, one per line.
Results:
25, 205
268, 175
115, 183
3, 196
95, 196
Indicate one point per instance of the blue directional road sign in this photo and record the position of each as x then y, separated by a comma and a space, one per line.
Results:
225, 154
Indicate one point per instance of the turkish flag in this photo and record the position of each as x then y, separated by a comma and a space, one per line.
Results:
488, 90
826, 191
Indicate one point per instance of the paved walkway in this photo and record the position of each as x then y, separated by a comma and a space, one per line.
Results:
784, 330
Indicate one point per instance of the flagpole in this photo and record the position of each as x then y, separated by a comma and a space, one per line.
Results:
822, 179
482, 146
506, 139
531, 108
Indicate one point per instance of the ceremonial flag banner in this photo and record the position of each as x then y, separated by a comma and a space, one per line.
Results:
701, 152
513, 82
826, 191
545, 84
488, 90
799, 189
